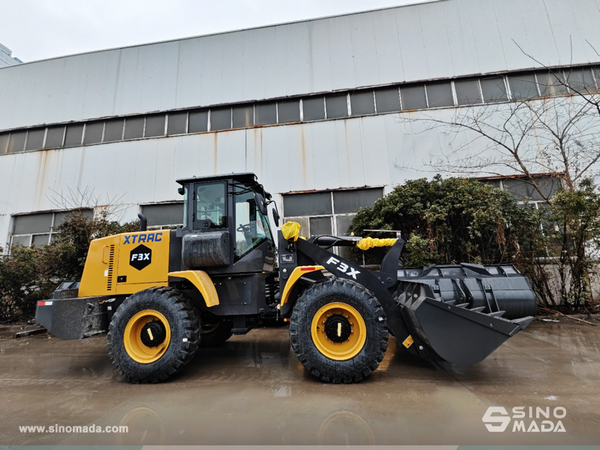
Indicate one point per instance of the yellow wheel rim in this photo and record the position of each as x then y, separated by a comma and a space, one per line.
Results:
338, 331
132, 339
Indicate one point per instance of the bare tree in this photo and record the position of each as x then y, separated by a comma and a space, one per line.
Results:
551, 135
556, 132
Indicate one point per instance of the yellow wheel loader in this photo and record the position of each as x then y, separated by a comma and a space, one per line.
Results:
160, 294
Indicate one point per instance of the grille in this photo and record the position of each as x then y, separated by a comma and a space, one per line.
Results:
111, 263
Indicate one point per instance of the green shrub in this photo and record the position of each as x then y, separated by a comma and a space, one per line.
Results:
29, 274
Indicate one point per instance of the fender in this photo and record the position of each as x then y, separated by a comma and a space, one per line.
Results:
295, 276
201, 281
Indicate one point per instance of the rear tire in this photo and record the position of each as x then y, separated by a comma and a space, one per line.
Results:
338, 331
153, 334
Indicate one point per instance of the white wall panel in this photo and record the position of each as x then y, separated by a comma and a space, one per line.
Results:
418, 42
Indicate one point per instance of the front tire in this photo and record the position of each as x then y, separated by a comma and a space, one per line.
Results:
338, 331
153, 334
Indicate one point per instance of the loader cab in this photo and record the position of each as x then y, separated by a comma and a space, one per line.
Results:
228, 214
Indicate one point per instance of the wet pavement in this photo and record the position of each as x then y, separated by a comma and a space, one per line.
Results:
253, 390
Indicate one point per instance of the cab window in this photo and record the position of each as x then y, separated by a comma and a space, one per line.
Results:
210, 210
252, 228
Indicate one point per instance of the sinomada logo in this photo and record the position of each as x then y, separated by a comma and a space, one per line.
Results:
525, 419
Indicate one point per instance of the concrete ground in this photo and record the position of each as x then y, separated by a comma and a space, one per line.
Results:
253, 390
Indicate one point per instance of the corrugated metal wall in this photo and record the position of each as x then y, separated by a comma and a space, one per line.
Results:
436, 40
440, 39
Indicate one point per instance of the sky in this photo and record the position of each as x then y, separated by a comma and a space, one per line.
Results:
42, 29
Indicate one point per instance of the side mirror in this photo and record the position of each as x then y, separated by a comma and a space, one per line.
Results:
260, 202
275, 214
181, 190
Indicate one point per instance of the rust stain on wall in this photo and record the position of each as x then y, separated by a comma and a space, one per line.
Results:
42, 165
303, 150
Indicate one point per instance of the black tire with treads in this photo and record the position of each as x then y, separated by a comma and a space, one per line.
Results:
347, 292
184, 325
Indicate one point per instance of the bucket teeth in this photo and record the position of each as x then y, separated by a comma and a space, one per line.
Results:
496, 314
462, 305
450, 302
478, 309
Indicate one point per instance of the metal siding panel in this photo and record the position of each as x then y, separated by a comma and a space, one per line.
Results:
574, 27
349, 138
488, 43
232, 69
375, 150
320, 48
265, 76
293, 58
461, 40
390, 60
364, 50
410, 35
341, 62
229, 151
436, 43
198, 85
517, 28
322, 167
299, 58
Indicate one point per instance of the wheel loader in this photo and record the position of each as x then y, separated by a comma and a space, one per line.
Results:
161, 294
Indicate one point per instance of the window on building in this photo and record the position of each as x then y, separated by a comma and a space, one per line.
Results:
327, 212
413, 97
113, 130
16, 143
387, 99
93, 132
243, 116
524, 191
155, 125
493, 89
581, 80
164, 214
134, 127
3, 142
467, 92
55, 137
318, 203
266, 113
439, 94
362, 102
337, 106
523, 86
74, 135
220, 119
198, 121
38, 229
314, 108
596, 72
35, 139
552, 84
177, 123
288, 111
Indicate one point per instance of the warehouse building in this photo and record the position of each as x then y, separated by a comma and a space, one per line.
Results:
317, 109
6, 58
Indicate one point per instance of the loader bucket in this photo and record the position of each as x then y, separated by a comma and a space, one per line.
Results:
459, 318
